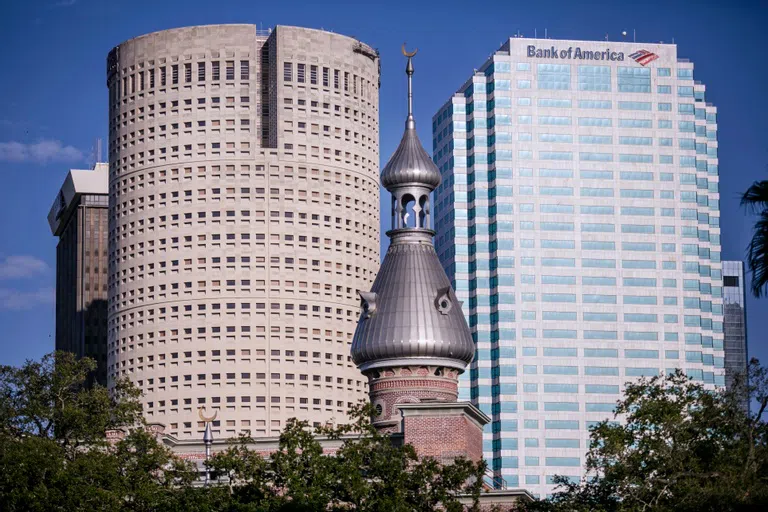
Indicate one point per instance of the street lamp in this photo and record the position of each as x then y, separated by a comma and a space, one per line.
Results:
207, 440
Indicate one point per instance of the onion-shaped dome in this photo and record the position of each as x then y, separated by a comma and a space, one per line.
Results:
410, 164
411, 316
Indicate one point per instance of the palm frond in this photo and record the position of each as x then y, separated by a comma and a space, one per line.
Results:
756, 197
757, 255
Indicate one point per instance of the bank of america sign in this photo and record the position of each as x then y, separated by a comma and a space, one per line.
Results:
642, 57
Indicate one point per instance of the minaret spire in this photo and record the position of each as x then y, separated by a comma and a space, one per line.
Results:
412, 340
411, 175
410, 123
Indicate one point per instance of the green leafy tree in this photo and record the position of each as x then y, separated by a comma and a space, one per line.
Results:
755, 200
54, 454
366, 473
679, 447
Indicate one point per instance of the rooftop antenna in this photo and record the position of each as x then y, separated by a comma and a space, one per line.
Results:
92, 158
606, 36
634, 36
535, 33
98, 150
545, 34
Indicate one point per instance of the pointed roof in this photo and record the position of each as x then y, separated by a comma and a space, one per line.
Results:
411, 315
410, 164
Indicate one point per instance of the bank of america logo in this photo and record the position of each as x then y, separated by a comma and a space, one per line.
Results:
643, 57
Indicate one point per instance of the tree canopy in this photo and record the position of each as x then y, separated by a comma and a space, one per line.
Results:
678, 447
54, 456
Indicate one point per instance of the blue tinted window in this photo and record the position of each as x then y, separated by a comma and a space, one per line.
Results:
555, 120
599, 317
600, 335
601, 388
604, 371
561, 388
599, 299
600, 407
641, 354
560, 370
555, 137
635, 123
641, 372
554, 102
606, 104
595, 121
554, 76
561, 425
563, 461
601, 352
634, 105
598, 245
595, 157
634, 79
595, 139
636, 141
594, 78
598, 263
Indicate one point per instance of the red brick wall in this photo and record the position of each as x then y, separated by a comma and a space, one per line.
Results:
411, 384
444, 437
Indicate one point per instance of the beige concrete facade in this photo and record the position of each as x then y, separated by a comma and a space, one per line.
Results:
243, 212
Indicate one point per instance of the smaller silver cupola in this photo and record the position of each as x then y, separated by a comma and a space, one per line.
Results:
410, 175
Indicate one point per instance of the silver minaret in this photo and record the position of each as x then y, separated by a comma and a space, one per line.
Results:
412, 340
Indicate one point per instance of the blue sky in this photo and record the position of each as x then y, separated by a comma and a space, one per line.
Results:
54, 98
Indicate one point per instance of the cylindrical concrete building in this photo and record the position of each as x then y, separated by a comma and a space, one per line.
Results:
243, 220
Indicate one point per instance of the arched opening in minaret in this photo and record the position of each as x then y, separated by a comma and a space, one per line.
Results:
423, 211
408, 213
396, 209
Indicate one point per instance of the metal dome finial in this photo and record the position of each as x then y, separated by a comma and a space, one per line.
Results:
410, 165
410, 123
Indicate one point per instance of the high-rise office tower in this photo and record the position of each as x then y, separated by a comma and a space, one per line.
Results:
79, 218
578, 219
735, 319
244, 199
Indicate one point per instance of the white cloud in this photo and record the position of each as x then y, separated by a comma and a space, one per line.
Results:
40, 152
19, 300
19, 267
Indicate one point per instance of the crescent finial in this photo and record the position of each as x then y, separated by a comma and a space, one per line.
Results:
209, 418
411, 54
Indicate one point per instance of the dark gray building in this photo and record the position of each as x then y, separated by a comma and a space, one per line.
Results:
79, 218
735, 319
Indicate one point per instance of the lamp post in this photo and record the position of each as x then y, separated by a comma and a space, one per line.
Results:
207, 440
